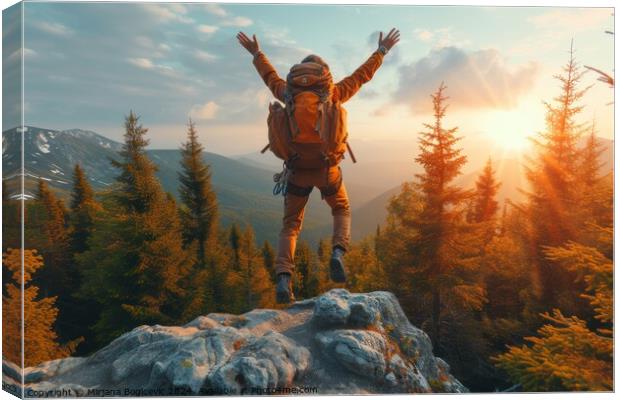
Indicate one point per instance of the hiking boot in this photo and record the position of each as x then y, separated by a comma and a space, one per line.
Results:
284, 289
337, 272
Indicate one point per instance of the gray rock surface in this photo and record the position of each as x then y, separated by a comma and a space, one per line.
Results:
337, 343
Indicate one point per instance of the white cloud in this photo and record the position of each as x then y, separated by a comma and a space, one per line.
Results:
154, 50
141, 63
215, 10
54, 28
476, 79
16, 55
204, 56
207, 28
423, 34
204, 111
166, 13
237, 21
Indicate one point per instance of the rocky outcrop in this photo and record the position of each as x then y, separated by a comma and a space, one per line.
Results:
339, 342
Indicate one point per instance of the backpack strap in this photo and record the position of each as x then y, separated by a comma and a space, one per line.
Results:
289, 102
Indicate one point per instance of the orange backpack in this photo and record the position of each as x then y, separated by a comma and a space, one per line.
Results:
310, 130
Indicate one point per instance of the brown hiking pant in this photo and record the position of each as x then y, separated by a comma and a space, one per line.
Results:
301, 183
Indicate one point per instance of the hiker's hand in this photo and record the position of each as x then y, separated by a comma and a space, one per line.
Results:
250, 45
390, 40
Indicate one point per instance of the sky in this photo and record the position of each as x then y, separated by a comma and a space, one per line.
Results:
88, 64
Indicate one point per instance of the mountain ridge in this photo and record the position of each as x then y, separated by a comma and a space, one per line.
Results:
242, 183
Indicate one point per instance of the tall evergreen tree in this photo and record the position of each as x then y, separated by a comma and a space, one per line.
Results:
83, 209
80, 314
427, 237
248, 284
234, 238
486, 206
199, 203
442, 212
41, 341
591, 164
269, 258
594, 190
553, 178
366, 273
136, 258
54, 279
307, 280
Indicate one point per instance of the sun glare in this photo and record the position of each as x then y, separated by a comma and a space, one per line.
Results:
509, 130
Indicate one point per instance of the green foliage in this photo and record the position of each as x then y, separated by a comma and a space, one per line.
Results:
485, 203
234, 243
83, 210
269, 258
135, 259
307, 271
567, 354
432, 245
55, 245
199, 204
553, 202
247, 284
198, 215
77, 315
365, 272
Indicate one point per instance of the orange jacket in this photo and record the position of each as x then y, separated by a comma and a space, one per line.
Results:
343, 90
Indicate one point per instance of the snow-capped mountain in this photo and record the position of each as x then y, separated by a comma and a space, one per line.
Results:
51, 155
244, 192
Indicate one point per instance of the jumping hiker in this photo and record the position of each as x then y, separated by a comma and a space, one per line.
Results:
310, 135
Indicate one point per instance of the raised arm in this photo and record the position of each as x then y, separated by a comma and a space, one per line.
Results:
346, 88
266, 71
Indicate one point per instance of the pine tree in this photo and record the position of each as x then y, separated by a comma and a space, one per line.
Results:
55, 225
439, 225
79, 314
136, 258
199, 211
54, 278
567, 354
594, 191
234, 239
269, 258
323, 255
365, 272
486, 205
83, 210
307, 282
591, 164
553, 177
40, 340
251, 283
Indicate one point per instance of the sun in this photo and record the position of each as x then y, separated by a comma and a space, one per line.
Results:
515, 140
510, 131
